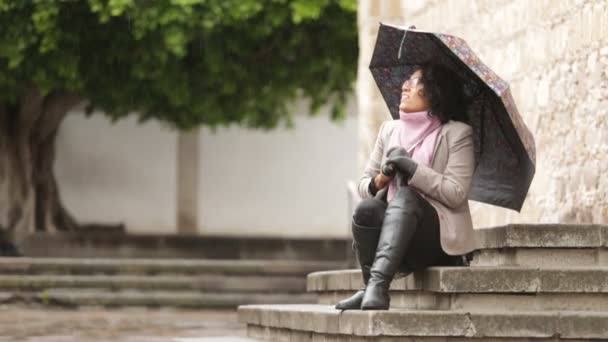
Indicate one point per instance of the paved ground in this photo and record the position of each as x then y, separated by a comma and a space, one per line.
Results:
43, 324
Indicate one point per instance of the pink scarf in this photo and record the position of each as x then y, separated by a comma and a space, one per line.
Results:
417, 133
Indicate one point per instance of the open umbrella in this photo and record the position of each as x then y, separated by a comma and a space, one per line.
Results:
504, 147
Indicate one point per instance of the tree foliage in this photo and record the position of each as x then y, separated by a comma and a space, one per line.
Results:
183, 62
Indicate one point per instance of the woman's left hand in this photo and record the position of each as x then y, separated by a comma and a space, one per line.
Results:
402, 163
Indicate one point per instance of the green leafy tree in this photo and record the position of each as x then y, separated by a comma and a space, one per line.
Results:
182, 62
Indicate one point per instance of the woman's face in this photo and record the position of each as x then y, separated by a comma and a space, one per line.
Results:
412, 95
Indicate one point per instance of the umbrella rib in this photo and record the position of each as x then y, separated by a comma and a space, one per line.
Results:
401, 44
460, 62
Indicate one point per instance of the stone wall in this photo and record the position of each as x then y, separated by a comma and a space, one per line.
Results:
555, 56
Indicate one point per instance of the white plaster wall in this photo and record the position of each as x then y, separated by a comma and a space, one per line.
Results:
281, 183
123, 172
287, 183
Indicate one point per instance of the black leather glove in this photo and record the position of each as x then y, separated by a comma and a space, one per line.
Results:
389, 169
398, 160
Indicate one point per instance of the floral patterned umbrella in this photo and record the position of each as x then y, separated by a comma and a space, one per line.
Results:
504, 147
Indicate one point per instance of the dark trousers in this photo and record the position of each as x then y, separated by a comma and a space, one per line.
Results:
424, 250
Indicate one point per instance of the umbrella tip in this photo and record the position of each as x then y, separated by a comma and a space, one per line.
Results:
412, 27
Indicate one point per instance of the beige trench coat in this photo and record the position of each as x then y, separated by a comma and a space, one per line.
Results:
445, 184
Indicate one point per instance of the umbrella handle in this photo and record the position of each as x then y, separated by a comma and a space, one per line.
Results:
412, 27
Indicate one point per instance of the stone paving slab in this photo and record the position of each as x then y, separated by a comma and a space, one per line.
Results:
95, 324
24, 265
543, 235
477, 280
470, 324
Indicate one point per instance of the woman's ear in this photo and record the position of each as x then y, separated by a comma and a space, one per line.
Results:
424, 97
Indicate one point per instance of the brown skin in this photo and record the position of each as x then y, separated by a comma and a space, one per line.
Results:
412, 95
412, 100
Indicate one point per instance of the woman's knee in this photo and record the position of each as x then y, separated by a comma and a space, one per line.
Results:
369, 213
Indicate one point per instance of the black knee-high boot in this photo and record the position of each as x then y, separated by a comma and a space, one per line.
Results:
400, 221
365, 254
366, 225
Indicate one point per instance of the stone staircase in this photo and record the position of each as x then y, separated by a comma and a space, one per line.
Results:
156, 282
526, 282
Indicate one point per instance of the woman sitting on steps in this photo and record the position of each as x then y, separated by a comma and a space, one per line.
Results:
415, 212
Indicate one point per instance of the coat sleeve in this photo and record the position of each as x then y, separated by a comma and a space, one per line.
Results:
451, 187
372, 169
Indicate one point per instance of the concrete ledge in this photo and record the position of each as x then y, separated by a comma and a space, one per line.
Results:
543, 235
541, 257
425, 300
321, 319
210, 282
479, 288
184, 299
108, 244
155, 282
10, 265
215, 339
287, 335
477, 280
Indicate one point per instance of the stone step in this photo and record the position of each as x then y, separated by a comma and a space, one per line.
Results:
542, 245
89, 243
472, 288
543, 235
216, 339
23, 265
183, 299
211, 282
541, 257
323, 323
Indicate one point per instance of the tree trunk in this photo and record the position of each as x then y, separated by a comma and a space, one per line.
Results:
29, 198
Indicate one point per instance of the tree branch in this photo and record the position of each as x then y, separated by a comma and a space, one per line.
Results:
30, 109
55, 107
4, 120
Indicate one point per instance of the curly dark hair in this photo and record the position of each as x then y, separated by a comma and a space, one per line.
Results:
444, 90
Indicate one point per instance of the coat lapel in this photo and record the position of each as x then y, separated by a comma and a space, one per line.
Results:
437, 144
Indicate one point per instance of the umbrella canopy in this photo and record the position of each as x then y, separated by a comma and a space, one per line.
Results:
504, 147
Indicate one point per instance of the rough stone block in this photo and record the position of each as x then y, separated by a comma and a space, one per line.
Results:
511, 325
539, 257
584, 325
517, 302
249, 315
602, 257
542, 235
421, 323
